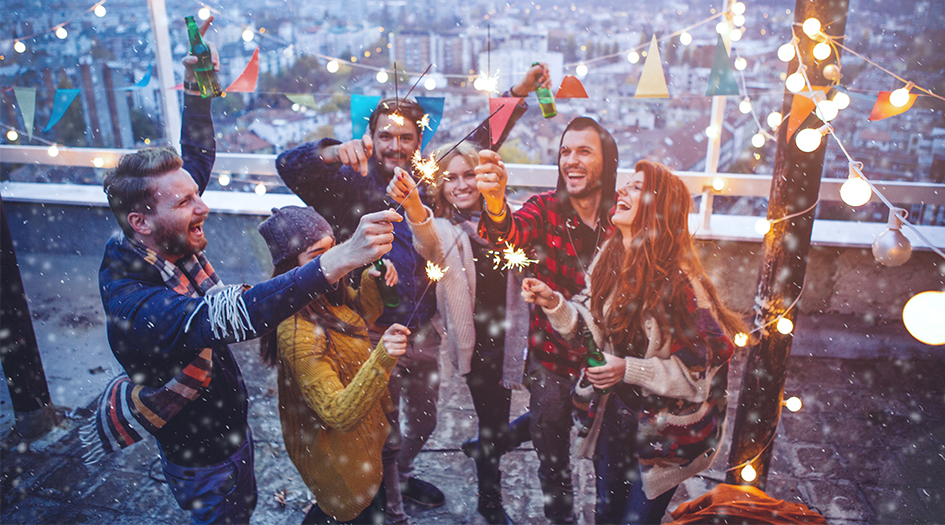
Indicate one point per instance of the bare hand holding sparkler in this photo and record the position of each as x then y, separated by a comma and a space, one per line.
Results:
491, 179
402, 189
539, 293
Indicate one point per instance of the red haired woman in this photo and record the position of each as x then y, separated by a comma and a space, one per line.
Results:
666, 336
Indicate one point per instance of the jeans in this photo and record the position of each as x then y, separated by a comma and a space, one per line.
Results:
620, 497
372, 515
550, 427
221, 493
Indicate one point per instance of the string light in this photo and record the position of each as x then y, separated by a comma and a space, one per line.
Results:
784, 326
741, 63
332, 66
892, 248
722, 27
53, 151
855, 191
745, 106
430, 84
832, 72
738, 8
581, 70
99, 11
793, 403
900, 97
841, 100
260, 189
811, 27
712, 132
203, 13
774, 119
19, 46
763, 226
224, 180
821, 51
738, 20
826, 110
248, 35
684, 38
98, 162
382, 76
62, 33
735, 34
748, 473
795, 81
718, 184
809, 139
12, 135
758, 140
923, 315
633, 57
786, 52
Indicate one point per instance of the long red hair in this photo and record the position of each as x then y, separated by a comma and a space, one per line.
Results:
651, 277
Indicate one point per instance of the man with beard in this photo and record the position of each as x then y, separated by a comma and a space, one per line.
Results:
169, 319
565, 227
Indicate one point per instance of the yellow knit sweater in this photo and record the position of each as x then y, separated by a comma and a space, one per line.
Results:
332, 401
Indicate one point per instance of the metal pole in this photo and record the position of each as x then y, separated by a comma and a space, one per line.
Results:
794, 188
165, 67
714, 143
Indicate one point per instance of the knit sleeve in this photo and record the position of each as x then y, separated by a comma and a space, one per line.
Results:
369, 297
427, 239
303, 350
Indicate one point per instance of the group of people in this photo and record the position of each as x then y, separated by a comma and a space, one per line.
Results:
358, 376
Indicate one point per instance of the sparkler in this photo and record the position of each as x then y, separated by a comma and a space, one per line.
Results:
434, 272
424, 123
511, 257
418, 81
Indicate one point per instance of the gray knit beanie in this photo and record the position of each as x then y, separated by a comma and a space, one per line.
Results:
289, 231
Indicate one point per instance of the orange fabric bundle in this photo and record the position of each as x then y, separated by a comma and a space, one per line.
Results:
743, 504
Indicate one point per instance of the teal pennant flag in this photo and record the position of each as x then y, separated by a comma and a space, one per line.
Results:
361, 108
433, 107
722, 78
61, 102
143, 83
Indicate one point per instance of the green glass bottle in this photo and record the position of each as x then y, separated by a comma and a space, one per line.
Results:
594, 357
206, 75
389, 295
546, 100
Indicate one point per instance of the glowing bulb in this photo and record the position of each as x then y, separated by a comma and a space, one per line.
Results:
296, 107
260, 189
332, 66
793, 403
740, 339
738, 20
581, 70
478, 84
382, 76
808, 140
748, 473
811, 27
203, 13
855, 191
774, 119
685, 38
53, 151
12, 135
62, 33
741, 63
821, 51
430, 84
786, 52
841, 100
224, 180
831, 72
744, 106
758, 140
633, 57
763, 226
923, 316
248, 35
735, 35
99, 11
785, 326
718, 184
795, 82
712, 132
738, 8
98, 162
722, 28
892, 248
899, 97
827, 110
19, 47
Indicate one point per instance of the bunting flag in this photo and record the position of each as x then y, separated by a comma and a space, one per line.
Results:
884, 109
143, 83
801, 107
571, 87
178, 87
503, 108
361, 108
246, 82
302, 99
722, 78
61, 102
433, 107
26, 101
652, 82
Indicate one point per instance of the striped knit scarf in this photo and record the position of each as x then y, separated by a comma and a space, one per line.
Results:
126, 411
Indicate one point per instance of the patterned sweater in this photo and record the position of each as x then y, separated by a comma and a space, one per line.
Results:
332, 402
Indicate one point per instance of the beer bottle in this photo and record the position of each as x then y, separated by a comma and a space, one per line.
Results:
389, 295
206, 75
546, 101
593, 357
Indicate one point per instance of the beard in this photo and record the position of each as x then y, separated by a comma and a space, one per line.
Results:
177, 244
587, 190
387, 161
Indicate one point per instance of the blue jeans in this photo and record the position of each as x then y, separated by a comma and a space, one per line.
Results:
221, 493
620, 497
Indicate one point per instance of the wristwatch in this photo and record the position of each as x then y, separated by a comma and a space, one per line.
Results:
191, 86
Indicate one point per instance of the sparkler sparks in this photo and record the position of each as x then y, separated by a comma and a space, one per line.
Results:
396, 118
434, 272
425, 167
424, 123
511, 257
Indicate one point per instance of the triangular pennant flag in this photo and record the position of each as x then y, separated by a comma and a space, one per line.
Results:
503, 108
246, 82
652, 82
433, 107
801, 107
884, 109
571, 87
26, 101
302, 99
145, 80
361, 108
61, 101
722, 78
178, 87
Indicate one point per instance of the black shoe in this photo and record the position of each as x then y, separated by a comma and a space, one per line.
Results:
490, 507
421, 493
469, 447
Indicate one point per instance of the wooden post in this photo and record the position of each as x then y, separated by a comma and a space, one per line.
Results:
795, 187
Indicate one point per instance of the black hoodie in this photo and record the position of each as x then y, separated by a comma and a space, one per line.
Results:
608, 181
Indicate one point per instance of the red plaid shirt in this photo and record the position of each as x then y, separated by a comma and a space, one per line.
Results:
554, 232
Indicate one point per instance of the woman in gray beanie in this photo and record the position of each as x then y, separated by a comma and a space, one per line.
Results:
333, 396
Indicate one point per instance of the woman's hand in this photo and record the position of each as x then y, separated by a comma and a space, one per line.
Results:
390, 275
395, 340
491, 179
608, 375
539, 293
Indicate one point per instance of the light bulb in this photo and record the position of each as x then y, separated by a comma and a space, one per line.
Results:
62, 33
758, 140
224, 180
841, 100
581, 70
53, 151
19, 46
808, 140
685, 38
821, 51
831, 72
430, 84
633, 57
382, 76
99, 11
795, 82
785, 326
735, 35
786, 52
744, 106
260, 189
12, 135
793, 403
827, 110
741, 63
855, 191
923, 316
748, 473
899, 97
774, 119
712, 132
811, 27
332, 66
203, 13
478, 84
722, 28
248, 35
738, 20
738, 8
98, 162
763, 226
892, 248
718, 184
740, 339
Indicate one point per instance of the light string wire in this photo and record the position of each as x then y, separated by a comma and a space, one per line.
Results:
55, 27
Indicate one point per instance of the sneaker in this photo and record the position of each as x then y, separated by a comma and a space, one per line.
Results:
421, 493
469, 447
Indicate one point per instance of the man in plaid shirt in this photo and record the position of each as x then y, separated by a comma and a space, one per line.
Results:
565, 228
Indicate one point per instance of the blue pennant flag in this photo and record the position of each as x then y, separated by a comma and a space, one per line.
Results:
433, 107
61, 102
361, 108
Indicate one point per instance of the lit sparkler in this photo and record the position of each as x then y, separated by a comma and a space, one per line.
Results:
510, 257
427, 168
424, 123
434, 272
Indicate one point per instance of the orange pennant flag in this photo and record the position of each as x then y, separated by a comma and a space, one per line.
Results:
246, 83
652, 82
571, 87
884, 109
178, 87
503, 108
801, 107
